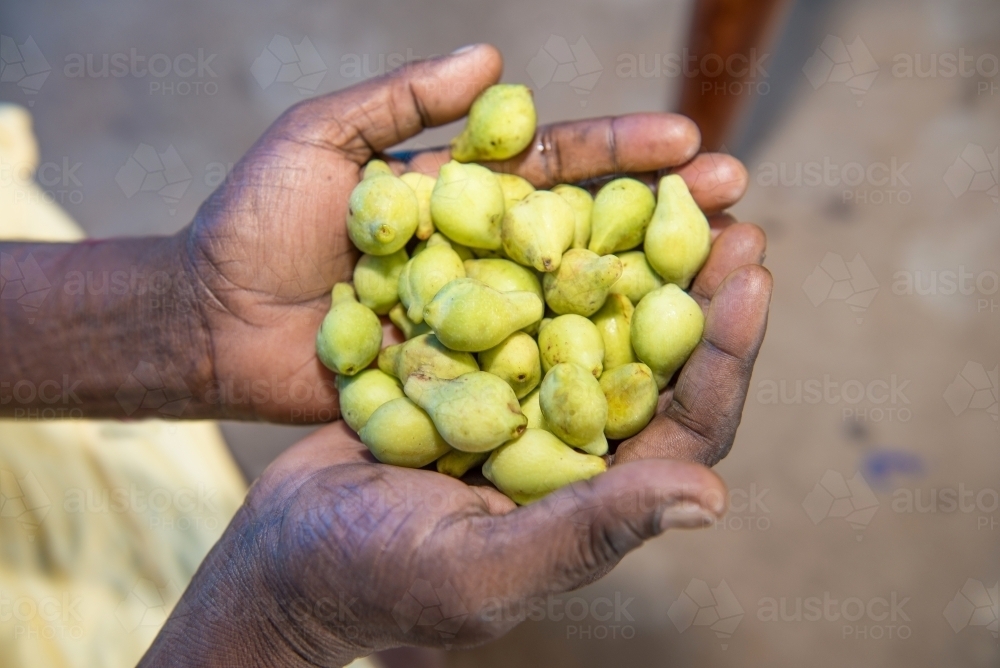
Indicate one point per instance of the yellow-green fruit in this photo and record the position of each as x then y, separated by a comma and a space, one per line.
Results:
422, 186
516, 361
467, 205
598, 446
678, 238
457, 463
382, 213
410, 329
583, 205
475, 412
632, 395
622, 211
376, 280
614, 322
571, 338
362, 394
376, 168
581, 283
503, 275
501, 124
515, 188
351, 334
400, 433
469, 315
666, 326
436, 266
533, 411
638, 278
538, 230
538, 463
424, 355
573, 404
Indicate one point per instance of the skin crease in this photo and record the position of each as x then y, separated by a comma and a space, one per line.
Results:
326, 525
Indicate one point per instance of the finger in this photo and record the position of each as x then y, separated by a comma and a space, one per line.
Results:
575, 151
716, 180
579, 532
370, 117
580, 150
736, 245
700, 423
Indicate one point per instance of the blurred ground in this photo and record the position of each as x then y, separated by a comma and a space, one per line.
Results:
865, 525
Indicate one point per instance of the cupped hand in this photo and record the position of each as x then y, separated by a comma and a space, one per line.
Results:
268, 245
335, 555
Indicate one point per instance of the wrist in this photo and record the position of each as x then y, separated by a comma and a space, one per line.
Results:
236, 612
116, 333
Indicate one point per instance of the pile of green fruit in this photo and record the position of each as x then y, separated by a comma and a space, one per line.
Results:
538, 323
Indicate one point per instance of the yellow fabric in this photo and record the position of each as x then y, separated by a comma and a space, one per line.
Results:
102, 523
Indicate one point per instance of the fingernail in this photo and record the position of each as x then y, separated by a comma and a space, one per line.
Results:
464, 49
686, 515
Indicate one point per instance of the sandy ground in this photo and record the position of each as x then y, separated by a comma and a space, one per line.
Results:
865, 526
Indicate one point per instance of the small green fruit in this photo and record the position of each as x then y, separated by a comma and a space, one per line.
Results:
538, 463
581, 283
538, 230
475, 412
429, 271
469, 315
632, 396
382, 213
571, 338
516, 361
362, 394
351, 334
666, 326
467, 205
573, 404
422, 186
583, 205
622, 211
376, 280
424, 355
400, 433
614, 322
679, 238
501, 124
